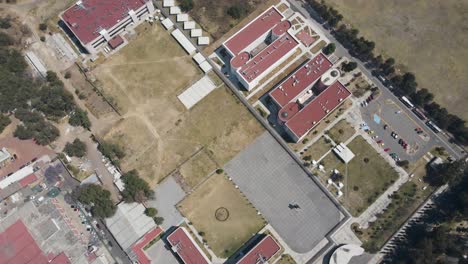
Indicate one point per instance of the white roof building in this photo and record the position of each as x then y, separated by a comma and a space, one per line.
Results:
203, 40
343, 152
168, 3
199, 58
182, 17
129, 224
196, 32
20, 174
5, 155
175, 10
206, 66
345, 253
189, 24
183, 41
167, 23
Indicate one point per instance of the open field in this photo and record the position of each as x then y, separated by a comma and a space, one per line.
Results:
407, 199
317, 149
341, 132
156, 130
197, 168
224, 237
429, 39
369, 175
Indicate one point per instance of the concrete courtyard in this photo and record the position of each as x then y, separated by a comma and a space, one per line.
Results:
274, 183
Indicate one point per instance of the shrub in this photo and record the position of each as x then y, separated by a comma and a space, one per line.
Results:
67, 75
219, 171
237, 11
42, 26
186, 5
151, 211
329, 49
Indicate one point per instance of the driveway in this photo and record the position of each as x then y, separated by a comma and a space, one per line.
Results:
167, 195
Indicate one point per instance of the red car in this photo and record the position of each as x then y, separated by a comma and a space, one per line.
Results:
380, 141
387, 149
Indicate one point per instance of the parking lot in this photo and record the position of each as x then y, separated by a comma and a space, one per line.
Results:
383, 116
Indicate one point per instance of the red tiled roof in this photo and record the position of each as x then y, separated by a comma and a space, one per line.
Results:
116, 41
305, 38
86, 20
187, 249
262, 24
263, 251
267, 57
25, 150
60, 259
28, 180
301, 79
137, 248
17, 246
315, 111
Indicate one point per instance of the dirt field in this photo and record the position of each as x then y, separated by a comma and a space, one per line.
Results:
224, 237
159, 134
430, 39
197, 168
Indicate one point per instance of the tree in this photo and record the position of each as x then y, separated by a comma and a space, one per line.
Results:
329, 49
447, 173
151, 211
80, 118
42, 26
112, 151
6, 40
23, 133
75, 149
136, 189
5, 22
4, 122
422, 97
186, 5
67, 75
97, 198
237, 11
349, 66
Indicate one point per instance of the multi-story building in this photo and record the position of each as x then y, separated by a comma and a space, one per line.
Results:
96, 23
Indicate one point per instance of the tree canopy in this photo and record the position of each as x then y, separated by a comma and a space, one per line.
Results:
75, 149
329, 49
97, 198
136, 189
4, 122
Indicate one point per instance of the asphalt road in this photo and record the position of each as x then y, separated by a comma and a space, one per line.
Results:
437, 139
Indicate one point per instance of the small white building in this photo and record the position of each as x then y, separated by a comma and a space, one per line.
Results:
175, 10
342, 151
203, 41
189, 25
182, 17
167, 24
199, 58
168, 3
196, 32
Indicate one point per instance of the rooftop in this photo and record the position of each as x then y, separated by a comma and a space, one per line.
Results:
17, 246
267, 57
187, 249
343, 152
252, 31
129, 224
138, 248
263, 251
315, 111
87, 18
300, 80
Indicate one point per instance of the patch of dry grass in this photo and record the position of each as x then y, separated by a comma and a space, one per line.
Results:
224, 237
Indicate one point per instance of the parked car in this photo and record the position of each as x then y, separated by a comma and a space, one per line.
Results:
387, 149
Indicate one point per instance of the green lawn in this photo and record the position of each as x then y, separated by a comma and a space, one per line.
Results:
368, 175
341, 132
317, 150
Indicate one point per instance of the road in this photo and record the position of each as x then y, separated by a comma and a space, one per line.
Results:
437, 139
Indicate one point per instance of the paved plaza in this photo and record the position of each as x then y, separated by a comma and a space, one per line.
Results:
275, 184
